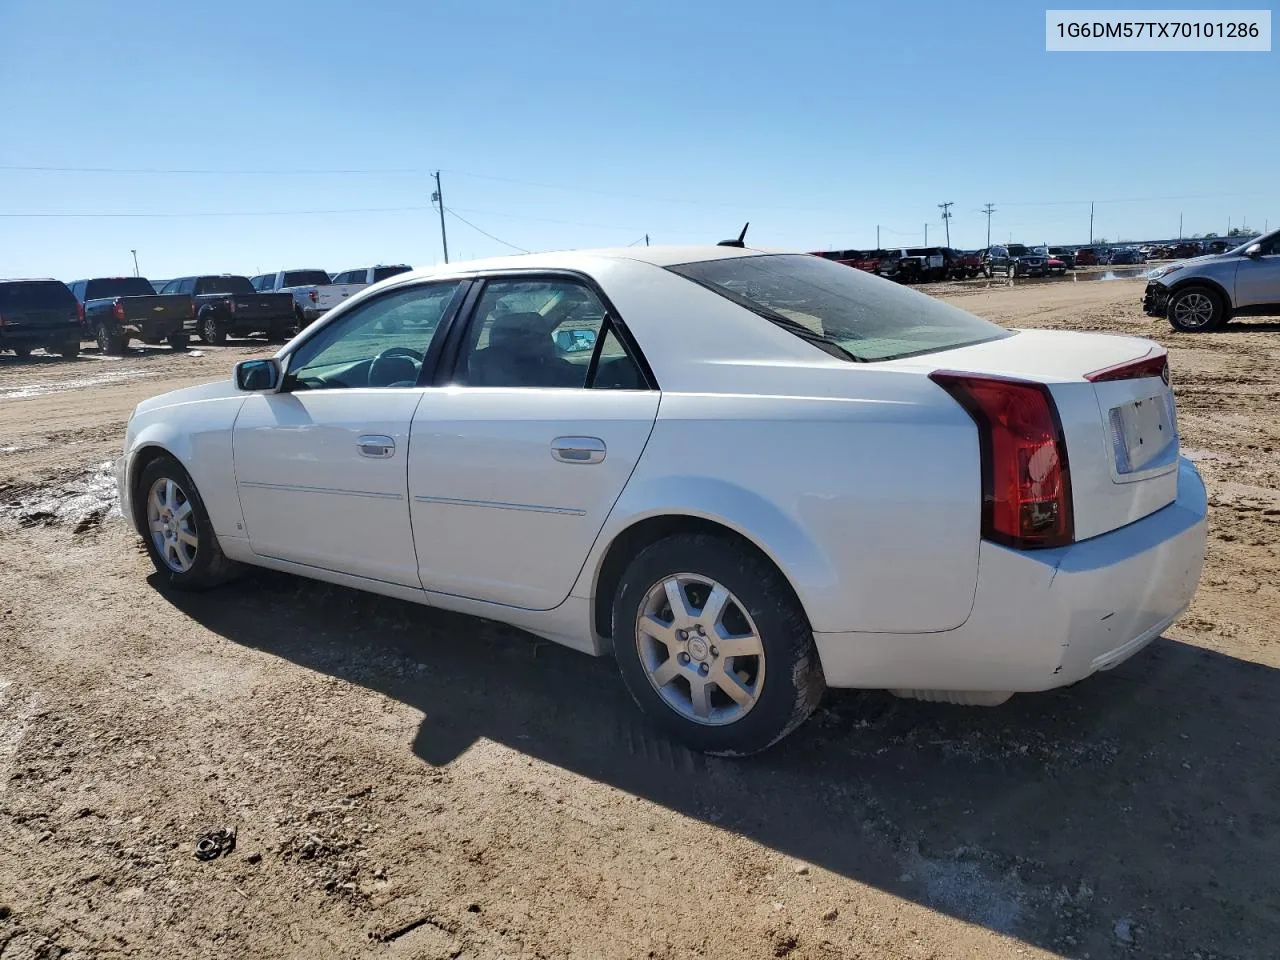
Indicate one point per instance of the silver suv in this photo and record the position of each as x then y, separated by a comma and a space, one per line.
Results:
1203, 293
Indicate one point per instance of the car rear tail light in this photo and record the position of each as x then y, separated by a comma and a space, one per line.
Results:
117, 310
80, 313
191, 309
231, 305
1154, 364
1026, 480
314, 296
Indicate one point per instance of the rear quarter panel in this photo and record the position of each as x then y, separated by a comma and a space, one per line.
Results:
869, 502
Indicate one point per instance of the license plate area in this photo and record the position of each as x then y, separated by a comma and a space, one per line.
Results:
1144, 435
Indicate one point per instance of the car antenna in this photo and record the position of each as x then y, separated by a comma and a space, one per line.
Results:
741, 238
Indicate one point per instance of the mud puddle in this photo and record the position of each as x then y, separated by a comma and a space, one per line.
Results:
81, 503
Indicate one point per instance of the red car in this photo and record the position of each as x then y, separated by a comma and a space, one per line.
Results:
1086, 257
868, 260
1054, 265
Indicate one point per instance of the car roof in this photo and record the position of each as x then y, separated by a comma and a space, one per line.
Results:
664, 256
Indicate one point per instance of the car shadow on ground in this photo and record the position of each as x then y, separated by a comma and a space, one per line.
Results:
1134, 811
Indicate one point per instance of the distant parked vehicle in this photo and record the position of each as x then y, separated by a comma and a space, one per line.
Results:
1205, 292
39, 313
1065, 254
119, 308
967, 264
1087, 257
314, 294
935, 262
227, 305
1015, 260
1185, 249
156, 285
1124, 256
363, 276
903, 266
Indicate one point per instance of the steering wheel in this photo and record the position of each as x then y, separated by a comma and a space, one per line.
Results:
383, 372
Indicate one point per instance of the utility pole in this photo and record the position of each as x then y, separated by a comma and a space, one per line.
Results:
135, 263
926, 234
877, 236
989, 210
1090, 223
1228, 226
646, 239
1179, 226
438, 197
946, 217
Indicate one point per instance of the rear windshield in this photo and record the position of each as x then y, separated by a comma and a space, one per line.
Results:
118, 287
381, 273
847, 313
35, 295
223, 285
305, 278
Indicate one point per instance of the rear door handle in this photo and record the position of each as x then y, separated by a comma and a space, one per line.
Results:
578, 449
376, 447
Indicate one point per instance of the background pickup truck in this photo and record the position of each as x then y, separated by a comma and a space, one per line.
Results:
313, 293
117, 308
227, 305
363, 276
39, 313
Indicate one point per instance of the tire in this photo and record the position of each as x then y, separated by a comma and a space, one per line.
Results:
182, 565
212, 331
21, 352
781, 684
111, 340
178, 341
278, 333
68, 349
1196, 309
988, 273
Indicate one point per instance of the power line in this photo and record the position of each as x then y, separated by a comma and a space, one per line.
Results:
449, 210
218, 213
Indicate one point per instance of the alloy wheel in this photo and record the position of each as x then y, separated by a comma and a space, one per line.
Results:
172, 522
700, 649
1193, 310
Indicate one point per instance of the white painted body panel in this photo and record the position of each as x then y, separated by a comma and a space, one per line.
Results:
307, 493
495, 516
860, 481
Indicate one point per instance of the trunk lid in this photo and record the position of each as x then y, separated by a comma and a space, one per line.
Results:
167, 307
1121, 434
262, 305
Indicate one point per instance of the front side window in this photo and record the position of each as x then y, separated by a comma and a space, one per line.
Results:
380, 343
544, 333
846, 313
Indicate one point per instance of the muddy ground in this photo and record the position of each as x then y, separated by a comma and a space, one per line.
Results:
408, 783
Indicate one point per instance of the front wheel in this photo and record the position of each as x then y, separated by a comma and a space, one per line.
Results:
173, 521
1196, 309
713, 645
178, 341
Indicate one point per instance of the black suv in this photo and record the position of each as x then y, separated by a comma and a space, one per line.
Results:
39, 313
1015, 260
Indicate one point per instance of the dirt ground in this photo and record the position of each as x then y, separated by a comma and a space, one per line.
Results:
406, 783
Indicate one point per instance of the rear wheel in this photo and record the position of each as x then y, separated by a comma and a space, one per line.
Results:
1196, 309
178, 341
69, 349
179, 537
212, 331
21, 352
111, 340
713, 645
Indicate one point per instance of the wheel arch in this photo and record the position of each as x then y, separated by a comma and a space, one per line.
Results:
1209, 282
641, 533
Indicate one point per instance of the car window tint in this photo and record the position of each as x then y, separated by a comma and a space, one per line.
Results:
379, 344
381, 273
615, 370
532, 333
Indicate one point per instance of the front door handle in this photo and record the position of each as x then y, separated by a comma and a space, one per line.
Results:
376, 447
578, 449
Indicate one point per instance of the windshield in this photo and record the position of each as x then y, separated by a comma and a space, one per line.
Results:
235, 285
118, 287
305, 278
35, 295
848, 313
381, 273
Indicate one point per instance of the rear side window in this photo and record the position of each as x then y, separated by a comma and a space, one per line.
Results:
305, 278
35, 295
118, 287
847, 313
381, 273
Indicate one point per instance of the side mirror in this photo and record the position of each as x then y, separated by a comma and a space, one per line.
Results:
1253, 250
261, 376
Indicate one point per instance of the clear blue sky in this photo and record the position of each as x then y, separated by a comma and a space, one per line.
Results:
816, 121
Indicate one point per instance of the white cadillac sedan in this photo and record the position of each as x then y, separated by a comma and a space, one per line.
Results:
746, 475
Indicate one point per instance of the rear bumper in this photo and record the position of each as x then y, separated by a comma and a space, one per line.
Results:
1047, 618
13, 336
1155, 299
